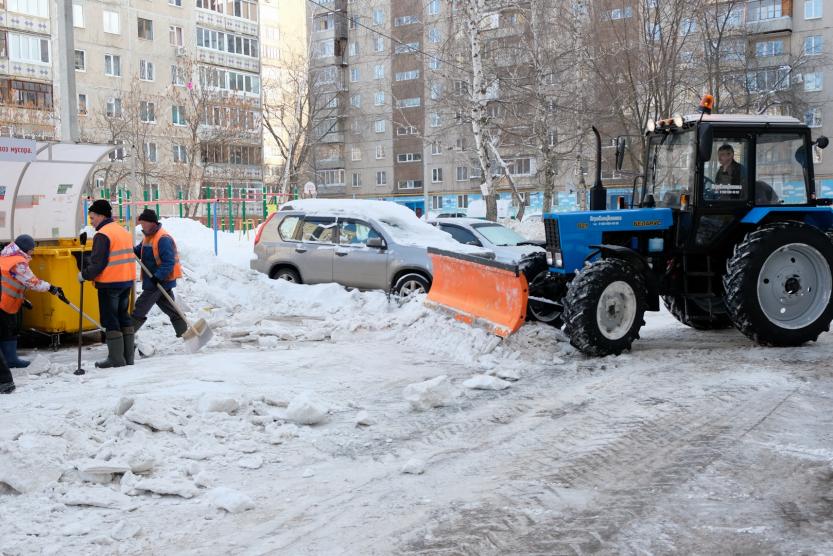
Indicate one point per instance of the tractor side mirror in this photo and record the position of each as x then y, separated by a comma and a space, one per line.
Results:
822, 142
621, 145
704, 142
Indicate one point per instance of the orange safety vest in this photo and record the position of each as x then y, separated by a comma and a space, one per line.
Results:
153, 242
121, 266
12, 296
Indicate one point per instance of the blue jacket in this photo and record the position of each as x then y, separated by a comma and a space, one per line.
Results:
168, 258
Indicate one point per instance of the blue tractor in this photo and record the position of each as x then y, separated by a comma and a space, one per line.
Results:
726, 231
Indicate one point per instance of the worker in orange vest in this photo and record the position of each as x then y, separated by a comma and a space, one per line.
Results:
159, 254
17, 277
112, 266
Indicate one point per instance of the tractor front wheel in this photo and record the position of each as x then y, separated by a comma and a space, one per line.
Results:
778, 284
604, 307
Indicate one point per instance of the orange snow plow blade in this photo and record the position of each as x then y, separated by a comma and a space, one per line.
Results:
479, 291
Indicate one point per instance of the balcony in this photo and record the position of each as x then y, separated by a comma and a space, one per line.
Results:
235, 61
220, 21
774, 25
23, 22
24, 70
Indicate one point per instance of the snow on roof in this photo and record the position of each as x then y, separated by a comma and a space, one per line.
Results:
743, 119
400, 222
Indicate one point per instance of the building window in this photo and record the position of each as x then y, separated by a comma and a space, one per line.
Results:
177, 3
245, 9
406, 48
765, 9
245, 46
354, 75
147, 111
406, 130
112, 22
178, 115
145, 28
331, 177
624, 13
436, 120
78, 16
436, 175
175, 35
378, 16
379, 98
433, 63
769, 48
357, 179
28, 48
381, 178
436, 148
460, 144
112, 65
37, 8
405, 20
380, 152
812, 9
379, 44
436, 202
462, 201
435, 90
177, 76
379, 126
80, 60
407, 75
462, 173
146, 72
353, 49
150, 152
434, 7
378, 71
409, 184
813, 81
434, 35
355, 153
813, 45
26, 93
356, 101
82, 103
520, 166
812, 117
409, 157
323, 49
113, 109
408, 102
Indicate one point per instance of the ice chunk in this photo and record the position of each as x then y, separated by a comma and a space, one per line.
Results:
218, 404
171, 485
230, 500
486, 382
436, 392
306, 411
414, 466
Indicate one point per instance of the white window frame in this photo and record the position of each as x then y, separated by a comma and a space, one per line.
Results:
813, 81
436, 148
381, 178
436, 175
813, 9
379, 71
150, 151
83, 59
77, 15
817, 46
111, 22
379, 98
147, 71
462, 171
379, 126
115, 64
355, 154
178, 117
380, 152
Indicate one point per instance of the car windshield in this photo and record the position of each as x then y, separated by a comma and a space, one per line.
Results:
670, 157
498, 235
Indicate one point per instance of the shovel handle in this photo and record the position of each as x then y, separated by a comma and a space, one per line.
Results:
165, 294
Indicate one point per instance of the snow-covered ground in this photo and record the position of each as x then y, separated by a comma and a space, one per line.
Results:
322, 421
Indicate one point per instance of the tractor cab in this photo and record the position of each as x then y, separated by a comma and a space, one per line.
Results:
714, 169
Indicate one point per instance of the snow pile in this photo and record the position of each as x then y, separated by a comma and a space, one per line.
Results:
306, 411
230, 500
486, 382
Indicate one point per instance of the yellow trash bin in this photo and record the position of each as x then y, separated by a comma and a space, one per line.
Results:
59, 264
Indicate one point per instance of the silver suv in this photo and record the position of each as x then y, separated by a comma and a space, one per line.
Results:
360, 244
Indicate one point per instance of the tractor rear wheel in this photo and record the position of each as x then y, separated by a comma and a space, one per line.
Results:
778, 284
604, 307
690, 313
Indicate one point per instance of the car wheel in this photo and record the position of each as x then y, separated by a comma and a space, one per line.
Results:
411, 284
286, 273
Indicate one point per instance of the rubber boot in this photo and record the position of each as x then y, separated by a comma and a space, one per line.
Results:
129, 344
137, 323
9, 348
6, 380
115, 351
180, 326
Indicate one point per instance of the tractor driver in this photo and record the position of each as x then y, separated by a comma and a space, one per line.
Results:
730, 172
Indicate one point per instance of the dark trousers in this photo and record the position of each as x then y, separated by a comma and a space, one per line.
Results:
148, 298
8, 326
113, 306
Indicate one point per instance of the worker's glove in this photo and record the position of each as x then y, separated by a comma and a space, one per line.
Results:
80, 278
27, 304
56, 291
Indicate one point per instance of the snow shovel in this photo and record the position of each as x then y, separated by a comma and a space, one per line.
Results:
195, 336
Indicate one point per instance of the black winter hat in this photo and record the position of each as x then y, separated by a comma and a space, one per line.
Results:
101, 207
149, 215
25, 242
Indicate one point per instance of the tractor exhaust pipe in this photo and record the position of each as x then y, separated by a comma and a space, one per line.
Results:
598, 195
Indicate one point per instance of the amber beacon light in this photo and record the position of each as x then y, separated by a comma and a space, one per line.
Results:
706, 104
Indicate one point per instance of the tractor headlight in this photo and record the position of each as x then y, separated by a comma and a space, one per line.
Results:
554, 259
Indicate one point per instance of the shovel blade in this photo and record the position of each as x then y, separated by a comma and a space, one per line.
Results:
197, 335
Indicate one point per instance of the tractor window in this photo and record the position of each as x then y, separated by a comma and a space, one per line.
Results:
670, 168
726, 176
780, 162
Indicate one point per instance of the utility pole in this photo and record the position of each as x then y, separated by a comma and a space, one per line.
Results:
66, 74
